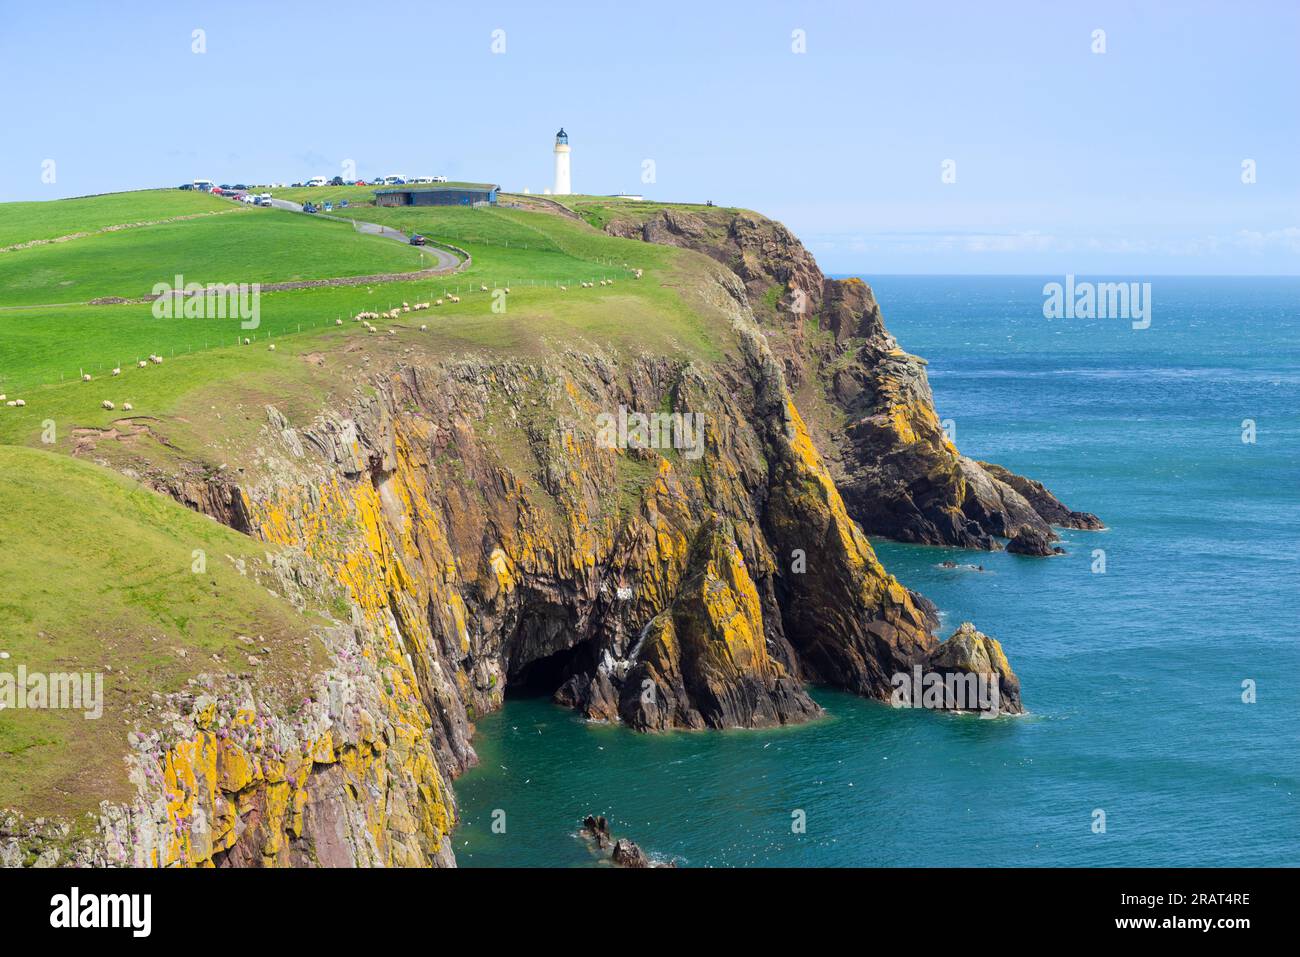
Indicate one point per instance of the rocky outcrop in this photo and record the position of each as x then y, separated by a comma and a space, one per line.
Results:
970, 653
1047, 505
1034, 542
621, 851
899, 472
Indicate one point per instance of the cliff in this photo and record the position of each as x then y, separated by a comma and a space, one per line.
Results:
472, 527
900, 475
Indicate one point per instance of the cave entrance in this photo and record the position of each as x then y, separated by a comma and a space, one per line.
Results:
543, 676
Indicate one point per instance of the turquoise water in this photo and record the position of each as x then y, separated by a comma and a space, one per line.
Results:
1133, 677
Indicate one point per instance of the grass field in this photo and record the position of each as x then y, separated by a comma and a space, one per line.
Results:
247, 245
532, 253
100, 577
24, 222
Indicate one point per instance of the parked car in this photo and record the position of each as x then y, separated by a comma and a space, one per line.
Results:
309, 208
418, 240
343, 204
360, 182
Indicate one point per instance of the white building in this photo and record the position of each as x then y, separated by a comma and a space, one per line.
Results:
563, 185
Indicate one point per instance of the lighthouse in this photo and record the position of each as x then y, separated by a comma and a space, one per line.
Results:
563, 187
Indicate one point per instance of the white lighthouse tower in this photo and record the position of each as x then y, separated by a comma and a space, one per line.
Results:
563, 186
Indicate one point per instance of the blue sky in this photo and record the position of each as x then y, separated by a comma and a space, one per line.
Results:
1066, 160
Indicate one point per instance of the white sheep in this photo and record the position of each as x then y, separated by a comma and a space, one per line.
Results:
127, 407
271, 347
482, 288
392, 332
85, 377
108, 405
157, 360
20, 402
338, 322
437, 302
142, 363
11, 403
564, 289
117, 371
424, 328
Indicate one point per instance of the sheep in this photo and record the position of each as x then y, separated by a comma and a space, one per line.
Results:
564, 289
506, 290
602, 282
11, 403
371, 329
157, 360
454, 298
271, 347
437, 302
392, 332
247, 341
117, 371
107, 405
142, 363
406, 305
424, 328
85, 377
637, 274
20, 402
127, 407
2, 396
609, 282
338, 322
482, 288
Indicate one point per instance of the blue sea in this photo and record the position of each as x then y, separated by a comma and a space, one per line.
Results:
1134, 677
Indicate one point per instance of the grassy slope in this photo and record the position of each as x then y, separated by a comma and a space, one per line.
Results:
99, 575
245, 246
526, 251
23, 222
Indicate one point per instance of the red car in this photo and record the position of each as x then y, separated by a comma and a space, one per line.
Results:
360, 182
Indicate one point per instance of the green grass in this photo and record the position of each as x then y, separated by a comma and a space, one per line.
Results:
247, 245
24, 222
99, 575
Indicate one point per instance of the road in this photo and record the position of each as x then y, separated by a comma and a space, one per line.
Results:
442, 258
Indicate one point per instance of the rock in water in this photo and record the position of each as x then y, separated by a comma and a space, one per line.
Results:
969, 651
627, 854
622, 852
596, 829
1030, 540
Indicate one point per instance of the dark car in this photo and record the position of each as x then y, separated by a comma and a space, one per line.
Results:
418, 240
309, 208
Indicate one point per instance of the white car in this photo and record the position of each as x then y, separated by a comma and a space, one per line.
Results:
318, 181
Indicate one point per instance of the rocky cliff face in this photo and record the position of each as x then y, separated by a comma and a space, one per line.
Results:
900, 475
474, 528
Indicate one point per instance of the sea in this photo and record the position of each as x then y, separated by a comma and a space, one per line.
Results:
1159, 659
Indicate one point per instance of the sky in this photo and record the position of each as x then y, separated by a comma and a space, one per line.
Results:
921, 137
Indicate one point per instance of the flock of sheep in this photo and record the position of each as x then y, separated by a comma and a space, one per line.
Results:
362, 317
